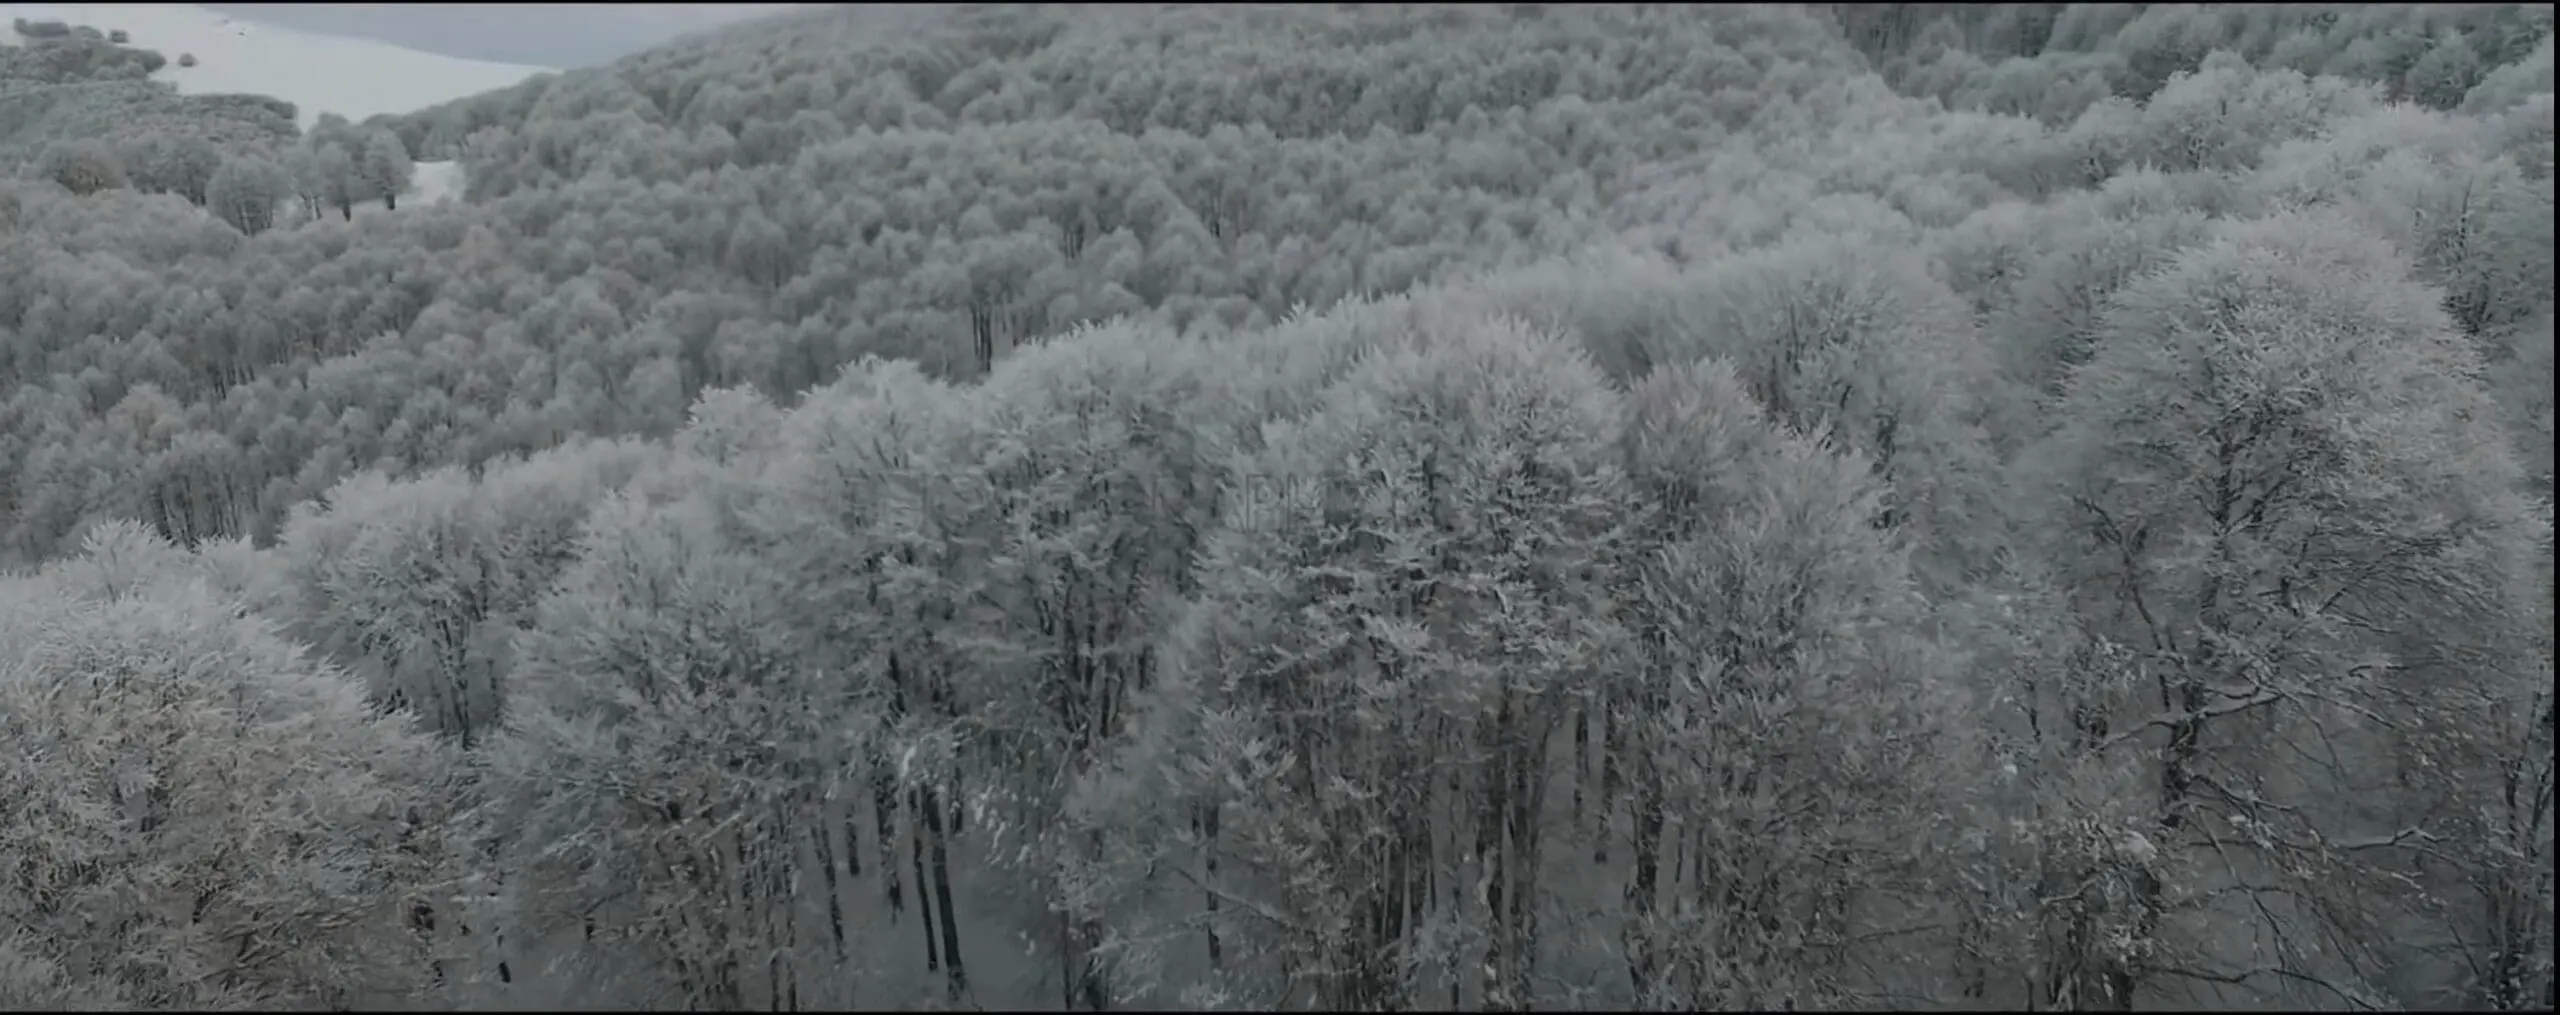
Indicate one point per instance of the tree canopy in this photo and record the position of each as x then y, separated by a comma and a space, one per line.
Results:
1294, 507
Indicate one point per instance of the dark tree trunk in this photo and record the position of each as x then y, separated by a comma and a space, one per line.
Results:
955, 974
1208, 825
1642, 891
827, 870
915, 847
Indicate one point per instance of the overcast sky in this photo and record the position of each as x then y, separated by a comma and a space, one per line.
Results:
544, 35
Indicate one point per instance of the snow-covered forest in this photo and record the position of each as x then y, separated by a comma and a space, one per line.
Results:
1347, 507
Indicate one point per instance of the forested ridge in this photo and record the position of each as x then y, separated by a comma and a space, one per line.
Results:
1296, 507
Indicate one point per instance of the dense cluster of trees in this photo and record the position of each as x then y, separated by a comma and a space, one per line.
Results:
85, 89
81, 112
2054, 61
49, 52
1346, 509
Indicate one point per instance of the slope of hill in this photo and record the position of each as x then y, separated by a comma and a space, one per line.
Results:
235, 66
1352, 507
547, 35
354, 78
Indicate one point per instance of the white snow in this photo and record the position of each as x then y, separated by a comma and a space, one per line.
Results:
354, 78
435, 182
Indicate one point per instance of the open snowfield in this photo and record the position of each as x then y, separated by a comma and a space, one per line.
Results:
351, 77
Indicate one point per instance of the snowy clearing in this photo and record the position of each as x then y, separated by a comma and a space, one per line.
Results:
435, 183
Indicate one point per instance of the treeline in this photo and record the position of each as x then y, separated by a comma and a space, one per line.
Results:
65, 85
1503, 508
599, 299
2053, 61
744, 236
77, 110
1403, 656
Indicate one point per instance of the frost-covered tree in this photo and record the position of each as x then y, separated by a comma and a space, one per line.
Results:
861, 522
2524, 387
1783, 714
82, 167
2470, 217
182, 164
394, 580
1399, 618
311, 180
2279, 490
246, 192
2049, 320
1099, 278
1867, 348
332, 175
195, 813
417, 585
759, 250
667, 770
385, 167
1102, 457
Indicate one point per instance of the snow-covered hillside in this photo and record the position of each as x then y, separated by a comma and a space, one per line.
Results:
354, 78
